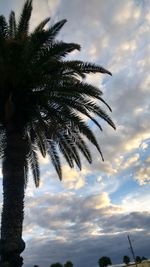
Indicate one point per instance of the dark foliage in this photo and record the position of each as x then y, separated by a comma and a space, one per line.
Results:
138, 259
104, 261
68, 264
126, 259
57, 264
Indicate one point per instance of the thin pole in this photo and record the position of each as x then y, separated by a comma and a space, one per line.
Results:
132, 251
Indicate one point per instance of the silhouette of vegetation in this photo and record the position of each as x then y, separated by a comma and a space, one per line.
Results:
41, 95
138, 259
144, 258
104, 261
126, 259
68, 264
57, 264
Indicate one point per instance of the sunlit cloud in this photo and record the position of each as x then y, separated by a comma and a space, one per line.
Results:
83, 216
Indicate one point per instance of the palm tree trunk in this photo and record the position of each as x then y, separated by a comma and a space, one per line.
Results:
13, 199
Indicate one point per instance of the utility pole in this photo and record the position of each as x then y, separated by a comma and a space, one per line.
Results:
132, 251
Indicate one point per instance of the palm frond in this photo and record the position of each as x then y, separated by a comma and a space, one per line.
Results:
12, 25
52, 151
66, 153
54, 30
83, 148
64, 88
58, 50
33, 160
3, 27
41, 139
2, 141
101, 113
26, 172
85, 67
39, 40
68, 141
78, 105
85, 130
42, 24
102, 100
23, 24
82, 105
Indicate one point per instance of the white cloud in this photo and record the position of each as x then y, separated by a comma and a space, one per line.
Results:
53, 6
72, 178
79, 220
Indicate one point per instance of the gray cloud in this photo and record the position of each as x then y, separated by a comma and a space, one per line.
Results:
85, 224
81, 229
84, 253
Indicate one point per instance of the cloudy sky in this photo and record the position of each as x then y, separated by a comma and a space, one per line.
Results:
90, 213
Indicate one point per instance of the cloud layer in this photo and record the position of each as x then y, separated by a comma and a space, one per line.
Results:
91, 212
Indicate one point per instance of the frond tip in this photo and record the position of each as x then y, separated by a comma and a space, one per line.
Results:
55, 158
3, 27
33, 160
42, 24
12, 24
23, 24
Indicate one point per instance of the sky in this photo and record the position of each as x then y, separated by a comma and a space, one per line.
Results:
90, 213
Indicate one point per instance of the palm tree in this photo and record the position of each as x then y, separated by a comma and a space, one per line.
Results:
41, 97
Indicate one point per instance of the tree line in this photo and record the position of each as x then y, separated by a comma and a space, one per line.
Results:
58, 264
103, 261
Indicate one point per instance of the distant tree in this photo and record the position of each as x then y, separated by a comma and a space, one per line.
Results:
126, 259
57, 264
104, 261
144, 258
138, 259
68, 264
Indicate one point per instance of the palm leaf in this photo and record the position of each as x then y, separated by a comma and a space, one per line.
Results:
58, 50
3, 27
85, 130
54, 30
26, 171
33, 159
84, 149
54, 157
42, 24
68, 141
85, 67
12, 25
23, 24
77, 88
66, 153
77, 104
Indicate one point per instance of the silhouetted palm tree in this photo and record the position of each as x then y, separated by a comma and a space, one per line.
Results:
41, 95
